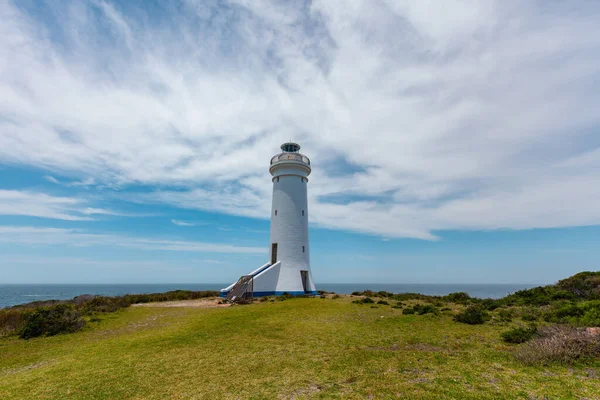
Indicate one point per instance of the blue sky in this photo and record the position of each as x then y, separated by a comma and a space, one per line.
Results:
448, 145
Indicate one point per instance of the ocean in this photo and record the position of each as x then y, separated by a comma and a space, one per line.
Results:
13, 294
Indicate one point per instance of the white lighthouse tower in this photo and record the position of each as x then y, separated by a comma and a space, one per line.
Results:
288, 269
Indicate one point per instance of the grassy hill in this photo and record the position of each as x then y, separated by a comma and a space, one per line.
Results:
297, 348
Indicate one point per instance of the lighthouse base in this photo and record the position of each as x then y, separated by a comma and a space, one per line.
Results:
275, 280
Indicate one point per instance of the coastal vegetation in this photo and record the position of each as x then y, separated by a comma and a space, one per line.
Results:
536, 343
48, 318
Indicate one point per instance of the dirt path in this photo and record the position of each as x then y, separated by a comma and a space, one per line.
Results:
200, 303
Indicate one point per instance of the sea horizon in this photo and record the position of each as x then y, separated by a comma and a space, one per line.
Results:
12, 294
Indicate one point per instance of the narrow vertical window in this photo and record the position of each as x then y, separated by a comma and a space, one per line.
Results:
303, 249
275, 212
303, 213
277, 179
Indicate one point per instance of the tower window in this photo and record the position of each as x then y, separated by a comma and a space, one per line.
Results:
277, 179
303, 213
275, 212
303, 249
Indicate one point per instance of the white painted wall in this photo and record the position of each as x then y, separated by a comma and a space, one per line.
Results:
267, 280
289, 227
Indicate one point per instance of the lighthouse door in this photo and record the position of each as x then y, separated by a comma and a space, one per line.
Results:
304, 275
273, 253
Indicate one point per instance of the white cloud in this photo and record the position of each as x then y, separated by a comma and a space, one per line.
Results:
52, 179
461, 115
38, 204
34, 236
14, 202
182, 223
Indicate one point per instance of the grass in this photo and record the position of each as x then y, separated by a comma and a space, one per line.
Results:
299, 348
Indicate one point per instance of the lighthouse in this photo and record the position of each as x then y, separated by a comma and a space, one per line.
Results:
288, 267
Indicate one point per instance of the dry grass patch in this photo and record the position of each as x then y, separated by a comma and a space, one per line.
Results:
560, 344
200, 303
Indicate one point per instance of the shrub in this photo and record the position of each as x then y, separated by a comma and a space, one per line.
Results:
383, 302
367, 300
458, 297
583, 313
11, 321
489, 304
472, 315
421, 309
530, 314
285, 296
446, 309
559, 344
396, 306
519, 335
537, 296
336, 296
505, 315
592, 314
49, 321
584, 285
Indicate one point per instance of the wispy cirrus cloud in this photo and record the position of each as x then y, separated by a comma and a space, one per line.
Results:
183, 223
39, 204
15, 202
52, 179
418, 116
35, 236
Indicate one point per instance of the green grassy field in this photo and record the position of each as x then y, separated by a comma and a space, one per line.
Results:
299, 348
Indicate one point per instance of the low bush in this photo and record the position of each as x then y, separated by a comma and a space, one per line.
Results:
472, 315
559, 344
11, 321
14, 319
458, 297
585, 313
49, 321
285, 296
421, 309
370, 293
505, 315
383, 302
592, 314
530, 314
366, 300
519, 335
584, 285
336, 296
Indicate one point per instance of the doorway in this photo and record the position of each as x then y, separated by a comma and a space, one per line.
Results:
304, 276
273, 253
